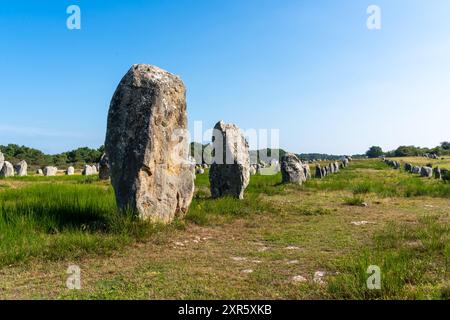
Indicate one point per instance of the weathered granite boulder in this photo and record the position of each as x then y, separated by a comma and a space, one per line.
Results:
319, 172
426, 172
39, 172
345, 162
50, 171
336, 166
437, 173
2, 160
259, 167
103, 167
147, 147
7, 170
307, 170
229, 173
416, 170
330, 168
21, 168
275, 165
87, 170
408, 167
292, 169
70, 171
445, 173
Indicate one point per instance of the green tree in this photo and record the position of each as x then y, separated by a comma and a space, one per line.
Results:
374, 152
445, 145
407, 151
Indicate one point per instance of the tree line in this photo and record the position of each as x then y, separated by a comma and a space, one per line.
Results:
78, 157
409, 151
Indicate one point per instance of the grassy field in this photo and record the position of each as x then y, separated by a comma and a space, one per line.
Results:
314, 241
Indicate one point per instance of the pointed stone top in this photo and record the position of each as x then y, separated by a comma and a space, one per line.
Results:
146, 75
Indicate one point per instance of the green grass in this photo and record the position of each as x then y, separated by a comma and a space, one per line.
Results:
51, 219
410, 257
373, 176
209, 211
70, 216
60, 221
354, 201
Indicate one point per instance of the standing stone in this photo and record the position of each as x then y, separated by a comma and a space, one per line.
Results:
103, 167
345, 162
21, 168
319, 173
7, 170
229, 174
331, 168
70, 171
408, 167
324, 171
39, 172
416, 169
50, 171
252, 170
292, 169
275, 165
147, 146
307, 171
445, 173
258, 168
199, 170
336, 166
87, 170
426, 172
2, 160
437, 173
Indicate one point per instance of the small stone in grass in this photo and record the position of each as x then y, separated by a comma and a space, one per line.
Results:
318, 277
360, 223
299, 279
238, 258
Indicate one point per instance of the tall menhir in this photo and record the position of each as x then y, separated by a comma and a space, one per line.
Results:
146, 147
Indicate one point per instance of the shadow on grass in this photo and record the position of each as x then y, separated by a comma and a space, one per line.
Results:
57, 221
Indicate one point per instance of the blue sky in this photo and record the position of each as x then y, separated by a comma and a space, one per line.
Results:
311, 69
